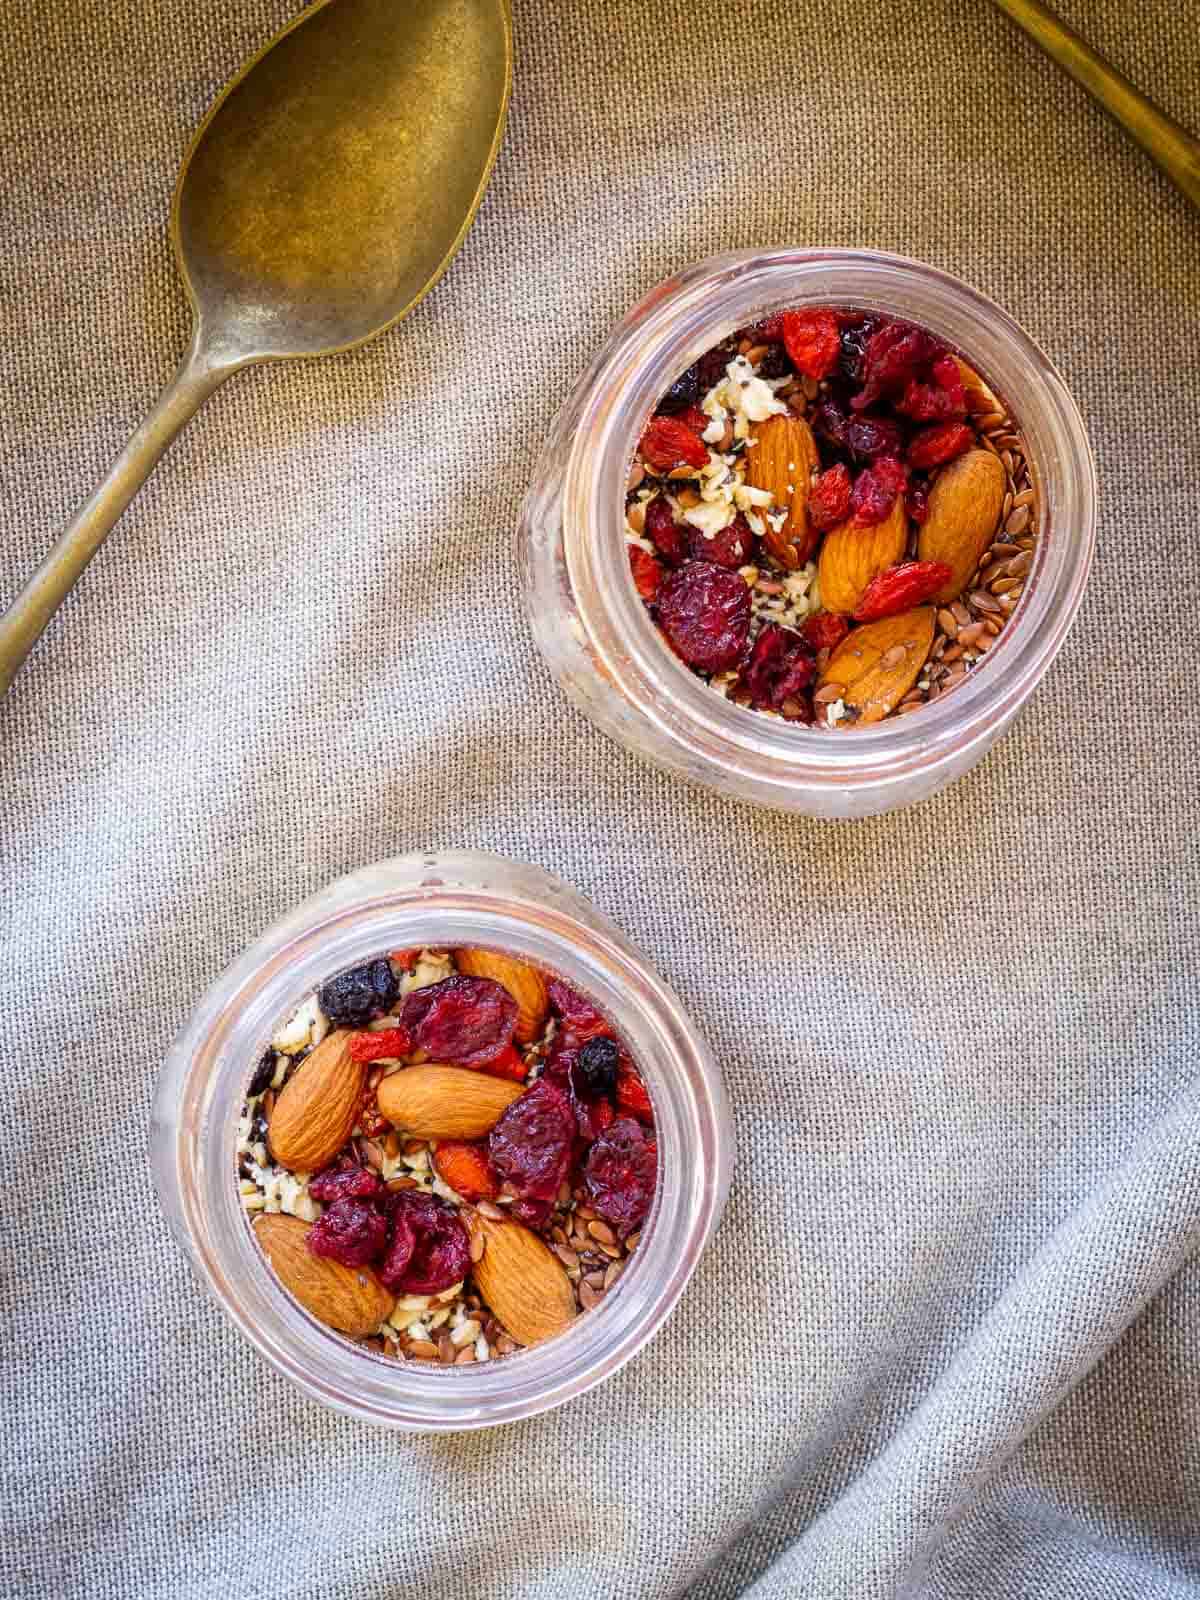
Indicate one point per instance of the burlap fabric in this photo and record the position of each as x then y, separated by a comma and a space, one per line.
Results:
946, 1342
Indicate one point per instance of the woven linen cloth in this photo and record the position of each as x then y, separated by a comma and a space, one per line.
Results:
945, 1344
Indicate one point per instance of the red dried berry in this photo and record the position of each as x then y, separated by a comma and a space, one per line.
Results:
632, 1094
704, 611
463, 1165
813, 341
901, 587
870, 437
508, 1064
344, 1183
731, 547
768, 331
619, 1175
669, 538
351, 1231
464, 1019
440, 1253
917, 503
942, 400
647, 572
780, 667
669, 443
825, 631
530, 1147
894, 354
829, 498
694, 418
829, 422
875, 490
406, 960
945, 440
578, 1014
377, 1046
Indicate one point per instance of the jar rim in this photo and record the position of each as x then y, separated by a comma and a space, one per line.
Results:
659, 338
472, 897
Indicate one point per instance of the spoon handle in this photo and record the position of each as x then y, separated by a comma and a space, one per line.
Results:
23, 622
1160, 136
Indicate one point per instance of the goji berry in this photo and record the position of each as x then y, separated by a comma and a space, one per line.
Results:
899, 588
813, 341
694, 418
875, 490
825, 631
632, 1095
406, 960
464, 1166
647, 573
668, 443
945, 440
669, 538
509, 1064
376, 1046
829, 498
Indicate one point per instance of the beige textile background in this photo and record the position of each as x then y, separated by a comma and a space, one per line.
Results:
946, 1343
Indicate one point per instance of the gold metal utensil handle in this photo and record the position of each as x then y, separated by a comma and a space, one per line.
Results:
23, 622
1160, 136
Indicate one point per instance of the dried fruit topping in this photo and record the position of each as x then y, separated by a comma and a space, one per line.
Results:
894, 354
668, 537
732, 546
945, 399
344, 1183
350, 1299
530, 1147
901, 587
824, 631
870, 437
780, 668
875, 490
357, 997
351, 1231
508, 1064
465, 1168
402, 1241
685, 391
669, 443
776, 363
263, 1073
855, 336
647, 572
382, 1045
829, 422
694, 418
813, 341
620, 1175
578, 1014
917, 501
829, 500
945, 440
464, 1019
851, 556
597, 1064
524, 982
704, 611
768, 331
632, 1095
406, 960
441, 1254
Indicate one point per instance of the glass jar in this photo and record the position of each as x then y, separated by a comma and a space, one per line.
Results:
608, 655
455, 898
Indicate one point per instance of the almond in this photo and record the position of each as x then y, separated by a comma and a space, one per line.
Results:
523, 982
964, 512
783, 459
851, 556
979, 397
524, 1283
875, 666
438, 1102
317, 1107
350, 1299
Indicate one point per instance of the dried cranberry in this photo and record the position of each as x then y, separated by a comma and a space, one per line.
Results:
829, 498
464, 1019
943, 400
780, 667
597, 1066
441, 1251
829, 422
351, 1231
530, 1147
875, 490
667, 536
704, 611
578, 1014
647, 572
619, 1175
344, 1183
685, 391
731, 547
869, 437
357, 997
711, 365
917, 503
855, 336
892, 356
813, 341
945, 440
824, 631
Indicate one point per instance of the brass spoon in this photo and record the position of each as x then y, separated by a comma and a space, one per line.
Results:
1160, 136
326, 191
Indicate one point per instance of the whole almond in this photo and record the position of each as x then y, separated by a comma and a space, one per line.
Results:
317, 1106
980, 398
851, 556
782, 459
523, 982
524, 1284
964, 512
878, 664
438, 1102
350, 1299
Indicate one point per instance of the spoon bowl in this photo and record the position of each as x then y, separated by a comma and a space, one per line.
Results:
324, 194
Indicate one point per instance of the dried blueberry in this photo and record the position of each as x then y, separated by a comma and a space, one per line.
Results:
263, 1074
685, 391
357, 997
776, 363
597, 1064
